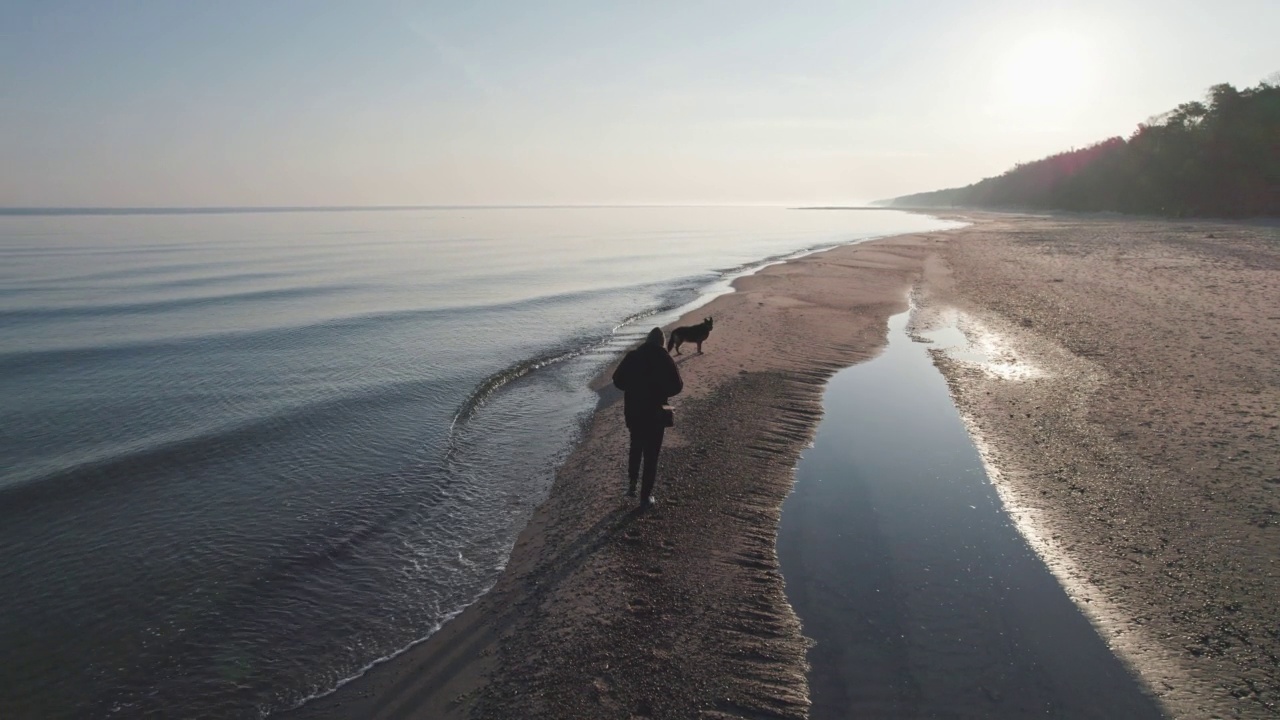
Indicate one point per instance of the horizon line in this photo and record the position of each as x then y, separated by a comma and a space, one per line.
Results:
248, 209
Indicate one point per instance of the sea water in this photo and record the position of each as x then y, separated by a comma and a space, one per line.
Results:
244, 455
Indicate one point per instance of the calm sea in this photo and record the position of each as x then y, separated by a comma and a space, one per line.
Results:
245, 455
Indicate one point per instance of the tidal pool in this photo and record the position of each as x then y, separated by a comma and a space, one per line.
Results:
921, 596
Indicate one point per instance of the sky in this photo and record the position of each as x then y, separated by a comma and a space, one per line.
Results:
114, 103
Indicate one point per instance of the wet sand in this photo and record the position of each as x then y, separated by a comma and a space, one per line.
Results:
1162, 528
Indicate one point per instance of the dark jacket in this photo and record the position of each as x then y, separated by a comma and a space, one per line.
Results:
647, 376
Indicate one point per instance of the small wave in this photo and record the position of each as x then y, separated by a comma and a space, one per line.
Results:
162, 280
133, 278
12, 363
390, 656
336, 549
561, 298
578, 346
45, 314
489, 385
607, 345
85, 250
131, 466
292, 336
748, 268
669, 302
43, 359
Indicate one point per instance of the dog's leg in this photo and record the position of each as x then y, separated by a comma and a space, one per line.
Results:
699, 347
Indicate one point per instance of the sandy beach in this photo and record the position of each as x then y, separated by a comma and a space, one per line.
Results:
1142, 459
1139, 451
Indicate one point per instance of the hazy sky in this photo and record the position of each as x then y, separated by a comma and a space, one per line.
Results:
270, 102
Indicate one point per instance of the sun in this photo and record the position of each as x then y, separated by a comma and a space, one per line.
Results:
1043, 70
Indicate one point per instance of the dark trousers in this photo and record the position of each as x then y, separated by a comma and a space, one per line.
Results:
645, 444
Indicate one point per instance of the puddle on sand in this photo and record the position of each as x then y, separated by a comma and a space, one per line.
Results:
904, 568
968, 340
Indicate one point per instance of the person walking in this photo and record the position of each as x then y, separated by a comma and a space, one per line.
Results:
647, 376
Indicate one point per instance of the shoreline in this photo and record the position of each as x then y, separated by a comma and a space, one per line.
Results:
774, 373
604, 612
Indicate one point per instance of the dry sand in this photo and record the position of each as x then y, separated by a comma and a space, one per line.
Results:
1143, 462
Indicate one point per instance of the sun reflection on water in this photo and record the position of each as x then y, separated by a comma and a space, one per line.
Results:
968, 340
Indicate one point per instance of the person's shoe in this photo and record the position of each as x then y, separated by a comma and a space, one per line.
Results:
650, 501
631, 490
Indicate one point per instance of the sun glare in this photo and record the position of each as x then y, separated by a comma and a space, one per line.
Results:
1043, 71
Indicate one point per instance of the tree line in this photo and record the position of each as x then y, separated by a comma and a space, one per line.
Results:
1219, 157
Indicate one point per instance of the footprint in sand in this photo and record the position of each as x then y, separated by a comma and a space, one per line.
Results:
639, 607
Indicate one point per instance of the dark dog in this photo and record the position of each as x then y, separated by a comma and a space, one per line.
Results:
689, 333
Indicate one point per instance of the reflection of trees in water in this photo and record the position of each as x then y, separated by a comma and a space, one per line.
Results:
1217, 157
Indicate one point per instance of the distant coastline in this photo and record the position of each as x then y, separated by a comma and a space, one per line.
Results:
1214, 158
847, 207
